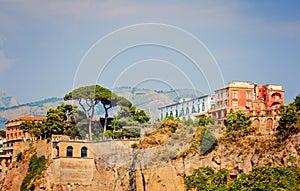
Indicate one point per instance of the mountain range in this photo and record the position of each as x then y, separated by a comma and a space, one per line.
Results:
146, 99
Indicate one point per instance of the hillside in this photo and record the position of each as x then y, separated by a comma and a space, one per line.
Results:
151, 100
148, 100
37, 108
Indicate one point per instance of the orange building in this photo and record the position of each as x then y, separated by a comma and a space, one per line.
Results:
14, 133
237, 95
253, 99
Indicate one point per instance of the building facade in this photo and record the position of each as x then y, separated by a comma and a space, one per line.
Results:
255, 100
14, 133
187, 108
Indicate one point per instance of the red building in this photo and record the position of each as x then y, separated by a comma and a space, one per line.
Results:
253, 99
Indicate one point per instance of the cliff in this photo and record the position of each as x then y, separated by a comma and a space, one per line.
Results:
151, 166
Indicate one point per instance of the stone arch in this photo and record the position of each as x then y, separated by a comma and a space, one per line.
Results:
255, 124
69, 151
269, 124
84, 152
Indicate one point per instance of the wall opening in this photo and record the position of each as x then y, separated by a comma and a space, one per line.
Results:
83, 152
269, 124
69, 151
57, 151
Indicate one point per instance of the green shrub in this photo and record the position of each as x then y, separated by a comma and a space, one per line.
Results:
260, 178
36, 166
19, 156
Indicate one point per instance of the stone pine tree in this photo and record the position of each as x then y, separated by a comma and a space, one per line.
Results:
89, 96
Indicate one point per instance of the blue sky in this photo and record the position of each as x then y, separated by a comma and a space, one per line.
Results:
42, 43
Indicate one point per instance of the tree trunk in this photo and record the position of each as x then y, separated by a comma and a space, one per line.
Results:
90, 130
105, 120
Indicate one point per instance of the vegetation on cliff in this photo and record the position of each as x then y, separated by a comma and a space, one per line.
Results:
237, 124
59, 121
36, 166
289, 123
260, 178
127, 123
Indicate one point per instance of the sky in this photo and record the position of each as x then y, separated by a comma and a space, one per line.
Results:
46, 47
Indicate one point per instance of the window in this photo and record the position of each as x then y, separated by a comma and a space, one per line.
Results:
83, 152
176, 113
203, 106
248, 95
235, 94
277, 97
187, 110
69, 151
198, 108
171, 113
193, 109
235, 103
219, 104
248, 104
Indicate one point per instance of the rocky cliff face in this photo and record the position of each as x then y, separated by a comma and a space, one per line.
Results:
133, 173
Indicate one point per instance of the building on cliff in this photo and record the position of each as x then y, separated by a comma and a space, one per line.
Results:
188, 108
262, 102
14, 134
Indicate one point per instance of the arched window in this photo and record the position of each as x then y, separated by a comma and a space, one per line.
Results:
83, 152
69, 151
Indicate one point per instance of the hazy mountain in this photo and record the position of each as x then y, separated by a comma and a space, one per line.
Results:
6, 100
148, 100
37, 108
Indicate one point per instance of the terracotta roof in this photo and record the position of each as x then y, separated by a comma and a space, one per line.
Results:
27, 118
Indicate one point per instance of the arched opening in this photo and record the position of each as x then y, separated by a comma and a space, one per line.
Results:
269, 124
255, 124
276, 96
275, 104
69, 151
83, 152
57, 151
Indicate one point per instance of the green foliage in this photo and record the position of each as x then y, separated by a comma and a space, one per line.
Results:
260, 178
204, 120
297, 102
125, 118
89, 96
141, 116
263, 178
238, 124
205, 178
288, 123
19, 156
36, 166
2, 133
36, 128
170, 123
59, 121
